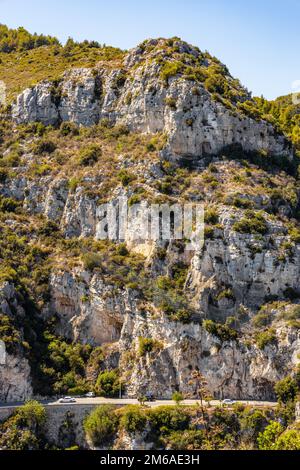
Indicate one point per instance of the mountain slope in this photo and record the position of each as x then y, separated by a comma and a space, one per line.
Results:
163, 123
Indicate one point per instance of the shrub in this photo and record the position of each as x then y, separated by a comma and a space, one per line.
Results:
289, 440
108, 384
101, 425
267, 439
9, 333
226, 294
3, 175
177, 397
168, 418
48, 228
68, 128
265, 338
251, 223
262, 319
44, 146
7, 204
216, 84
253, 422
292, 316
125, 177
89, 155
147, 345
122, 250
294, 234
133, 419
170, 69
91, 261
24, 429
286, 390
31, 415
171, 102
211, 216
223, 332
185, 440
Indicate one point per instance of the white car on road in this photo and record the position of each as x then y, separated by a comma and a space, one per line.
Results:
227, 401
67, 400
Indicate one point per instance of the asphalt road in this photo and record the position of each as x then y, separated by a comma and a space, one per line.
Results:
129, 401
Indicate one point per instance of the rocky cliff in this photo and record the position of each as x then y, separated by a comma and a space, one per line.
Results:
196, 123
168, 125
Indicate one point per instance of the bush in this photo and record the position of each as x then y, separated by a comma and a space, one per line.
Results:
251, 223
171, 69
31, 415
177, 397
7, 204
185, 440
167, 418
68, 128
147, 345
211, 216
262, 319
133, 419
265, 338
91, 261
108, 384
101, 425
223, 332
267, 439
9, 334
89, 155
286, 390
125, 177
253, 422
44, 146
292, 316
171, 102
24, 429
289, 440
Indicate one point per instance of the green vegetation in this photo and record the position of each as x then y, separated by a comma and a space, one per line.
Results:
223, 332
108, 384
177, 397
27, 59
148, 345
133, 419
265, 338
12, 40
286, 390
89, 155
251, 223
24, 429
101, 425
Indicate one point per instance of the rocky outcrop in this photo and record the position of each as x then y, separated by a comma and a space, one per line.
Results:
89, 310
232, 369
15, 372
196, 124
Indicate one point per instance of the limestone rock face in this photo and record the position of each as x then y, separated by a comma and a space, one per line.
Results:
89, 310
15, 372
245, 264
36, 104
79, 97
231, 369
15, 380
197, 126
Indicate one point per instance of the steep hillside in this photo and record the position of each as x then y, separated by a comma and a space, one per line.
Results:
165, 124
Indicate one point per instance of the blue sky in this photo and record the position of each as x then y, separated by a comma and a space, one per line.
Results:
258, 40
